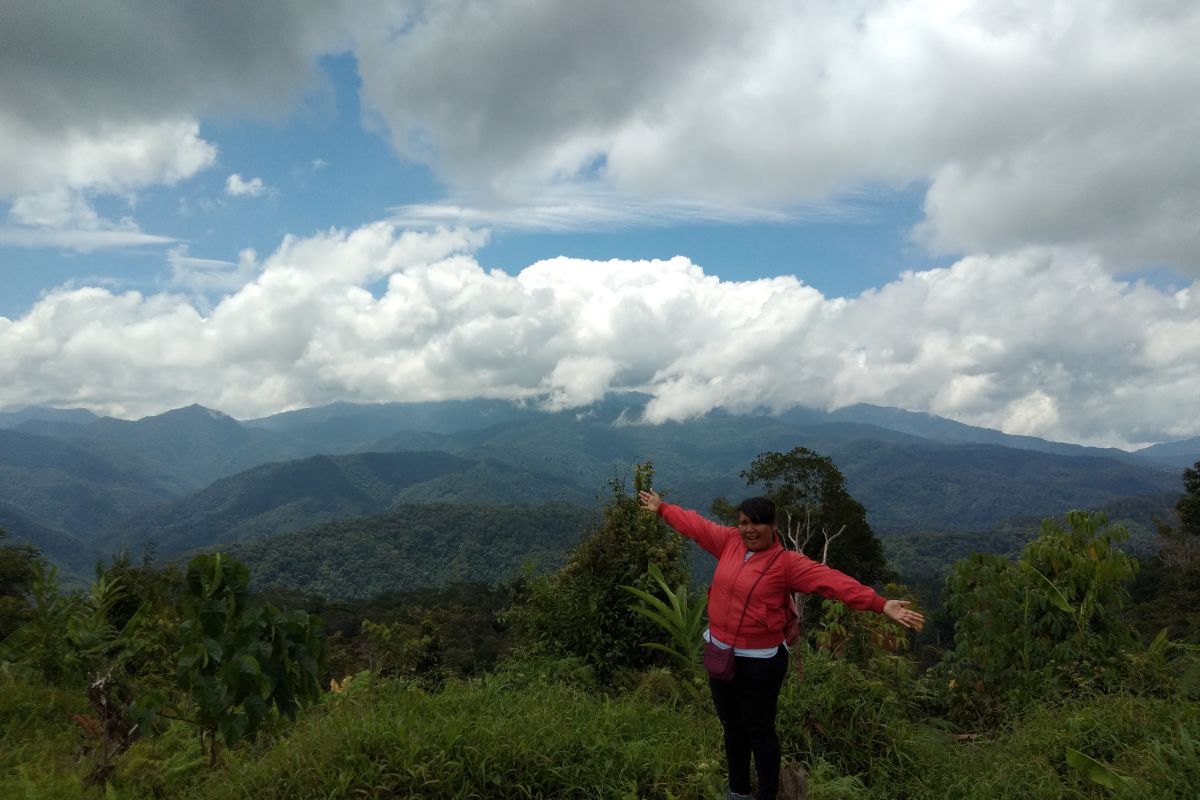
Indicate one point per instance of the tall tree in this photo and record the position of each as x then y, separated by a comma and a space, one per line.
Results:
818, 513
1189, 505
1181, 544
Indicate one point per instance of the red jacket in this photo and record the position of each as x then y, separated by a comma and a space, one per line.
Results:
767, 613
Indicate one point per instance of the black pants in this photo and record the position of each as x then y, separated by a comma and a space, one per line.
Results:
746, 706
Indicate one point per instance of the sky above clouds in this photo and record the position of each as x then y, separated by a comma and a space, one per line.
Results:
988, 211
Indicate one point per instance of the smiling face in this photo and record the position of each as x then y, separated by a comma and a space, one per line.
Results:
756, 535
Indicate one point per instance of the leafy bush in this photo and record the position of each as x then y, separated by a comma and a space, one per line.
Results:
860, 719
582, 609
1046, 624
240, 656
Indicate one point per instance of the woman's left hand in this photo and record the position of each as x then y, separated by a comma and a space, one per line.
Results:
899, 611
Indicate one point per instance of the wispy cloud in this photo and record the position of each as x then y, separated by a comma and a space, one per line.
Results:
81, 240
209, 276
581, 209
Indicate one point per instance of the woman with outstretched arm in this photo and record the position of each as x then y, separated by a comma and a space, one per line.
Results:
749, 603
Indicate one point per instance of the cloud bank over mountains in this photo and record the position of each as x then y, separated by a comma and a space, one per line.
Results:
1038, 342
1056, 144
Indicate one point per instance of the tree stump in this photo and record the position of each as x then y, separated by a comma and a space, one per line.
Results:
793, 782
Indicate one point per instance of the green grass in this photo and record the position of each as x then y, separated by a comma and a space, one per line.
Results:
39, 743
521, 734
488, 739
1153, 742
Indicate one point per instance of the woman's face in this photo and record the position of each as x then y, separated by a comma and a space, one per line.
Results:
755, 535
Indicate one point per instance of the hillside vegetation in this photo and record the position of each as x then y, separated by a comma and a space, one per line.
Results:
415, 546
1039, 679
274, 498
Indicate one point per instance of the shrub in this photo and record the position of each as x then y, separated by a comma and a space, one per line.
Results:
240, 657
1044, 625
582, 610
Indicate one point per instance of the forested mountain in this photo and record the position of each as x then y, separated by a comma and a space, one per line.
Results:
1180, 454
278, 497
78, 416
946, 431
698, 459
925, 556
60, 548
346, 425
415, 546
193, 477
907, 485
67, 488
941, 487
189, 447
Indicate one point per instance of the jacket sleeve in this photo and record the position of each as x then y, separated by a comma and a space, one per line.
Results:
813, 577
709, 535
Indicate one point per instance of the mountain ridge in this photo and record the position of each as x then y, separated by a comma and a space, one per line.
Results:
130, 482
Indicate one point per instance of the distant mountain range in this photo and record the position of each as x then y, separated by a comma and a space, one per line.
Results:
79, 487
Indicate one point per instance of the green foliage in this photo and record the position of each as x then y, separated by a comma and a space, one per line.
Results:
864, 718
1188, 506
400, 649
582, 610
16, 578
1047, 623
240, 656
496, 739
531, 730
160, 766
462, 616
79, 640
281, 497
1165, 598
1127, 746
71, 641
41, 643
1167, 590
814, 506
412, 547
867, 639
1099, 772
40, 739
682, 620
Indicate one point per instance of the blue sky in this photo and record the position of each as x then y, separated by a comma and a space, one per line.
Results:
985, 212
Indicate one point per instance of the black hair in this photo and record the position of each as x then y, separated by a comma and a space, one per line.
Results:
759, 510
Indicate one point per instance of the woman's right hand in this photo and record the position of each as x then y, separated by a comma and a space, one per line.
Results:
650, 500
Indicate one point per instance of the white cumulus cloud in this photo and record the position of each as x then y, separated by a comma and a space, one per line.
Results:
1043, 341
52, 177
